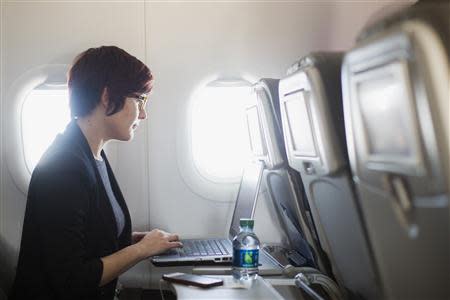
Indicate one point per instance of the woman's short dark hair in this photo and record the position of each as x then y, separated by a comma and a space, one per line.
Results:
105, 67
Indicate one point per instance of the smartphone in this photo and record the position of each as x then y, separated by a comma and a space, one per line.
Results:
191, 279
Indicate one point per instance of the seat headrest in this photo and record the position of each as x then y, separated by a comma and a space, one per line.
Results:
318, 59
434, 13
318, 75
409, 53
267, 102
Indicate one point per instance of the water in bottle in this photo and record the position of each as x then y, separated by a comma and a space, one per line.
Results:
245, 252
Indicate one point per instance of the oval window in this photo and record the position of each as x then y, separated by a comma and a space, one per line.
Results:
220, 142
45, 113
37, 110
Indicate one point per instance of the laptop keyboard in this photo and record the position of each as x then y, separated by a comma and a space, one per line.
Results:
204, 248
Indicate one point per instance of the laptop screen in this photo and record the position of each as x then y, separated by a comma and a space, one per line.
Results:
247, 195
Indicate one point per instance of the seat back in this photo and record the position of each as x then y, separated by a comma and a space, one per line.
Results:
396, 102
313, 125
287, 197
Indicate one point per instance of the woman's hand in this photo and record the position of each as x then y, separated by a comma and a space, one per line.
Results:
146, 244
155, 242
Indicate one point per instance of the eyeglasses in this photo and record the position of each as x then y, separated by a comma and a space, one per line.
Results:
141, 100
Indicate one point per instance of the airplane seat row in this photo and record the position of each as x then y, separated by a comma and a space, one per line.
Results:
374, 172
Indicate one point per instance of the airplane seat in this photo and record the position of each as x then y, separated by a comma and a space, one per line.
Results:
278, 178
314, 133
396, 106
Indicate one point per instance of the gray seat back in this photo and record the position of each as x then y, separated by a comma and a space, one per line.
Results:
313, 125
281, 181
396, 102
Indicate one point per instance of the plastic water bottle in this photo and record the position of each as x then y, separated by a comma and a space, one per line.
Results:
245, 252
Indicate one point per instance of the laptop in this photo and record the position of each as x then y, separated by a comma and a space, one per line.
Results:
218, 251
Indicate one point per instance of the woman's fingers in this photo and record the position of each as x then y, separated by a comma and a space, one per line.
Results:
173, 237
175, 245
174, 241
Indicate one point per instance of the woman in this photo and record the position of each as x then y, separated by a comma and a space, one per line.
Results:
77, 236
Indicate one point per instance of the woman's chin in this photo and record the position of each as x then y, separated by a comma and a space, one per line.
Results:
130, 136
126, 136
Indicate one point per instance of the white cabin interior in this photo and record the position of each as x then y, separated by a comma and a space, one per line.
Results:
186, 44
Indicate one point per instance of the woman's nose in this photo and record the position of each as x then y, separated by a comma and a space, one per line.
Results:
142, 114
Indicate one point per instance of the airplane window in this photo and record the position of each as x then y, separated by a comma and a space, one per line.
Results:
220, 142
45, 113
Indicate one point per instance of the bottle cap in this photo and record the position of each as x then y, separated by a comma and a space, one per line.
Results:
247, 223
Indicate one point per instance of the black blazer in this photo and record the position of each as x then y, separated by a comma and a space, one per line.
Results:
69, 225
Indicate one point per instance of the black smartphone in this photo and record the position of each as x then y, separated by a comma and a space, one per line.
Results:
191, 279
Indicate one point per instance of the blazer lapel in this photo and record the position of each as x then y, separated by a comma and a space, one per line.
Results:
104, 205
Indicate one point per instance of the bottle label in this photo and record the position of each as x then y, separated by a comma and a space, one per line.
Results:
245, 258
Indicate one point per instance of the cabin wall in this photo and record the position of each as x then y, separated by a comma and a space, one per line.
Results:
183, 43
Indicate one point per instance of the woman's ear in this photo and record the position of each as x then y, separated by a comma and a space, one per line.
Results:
104, 100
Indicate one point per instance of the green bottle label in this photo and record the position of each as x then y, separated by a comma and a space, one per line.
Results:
245, 258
